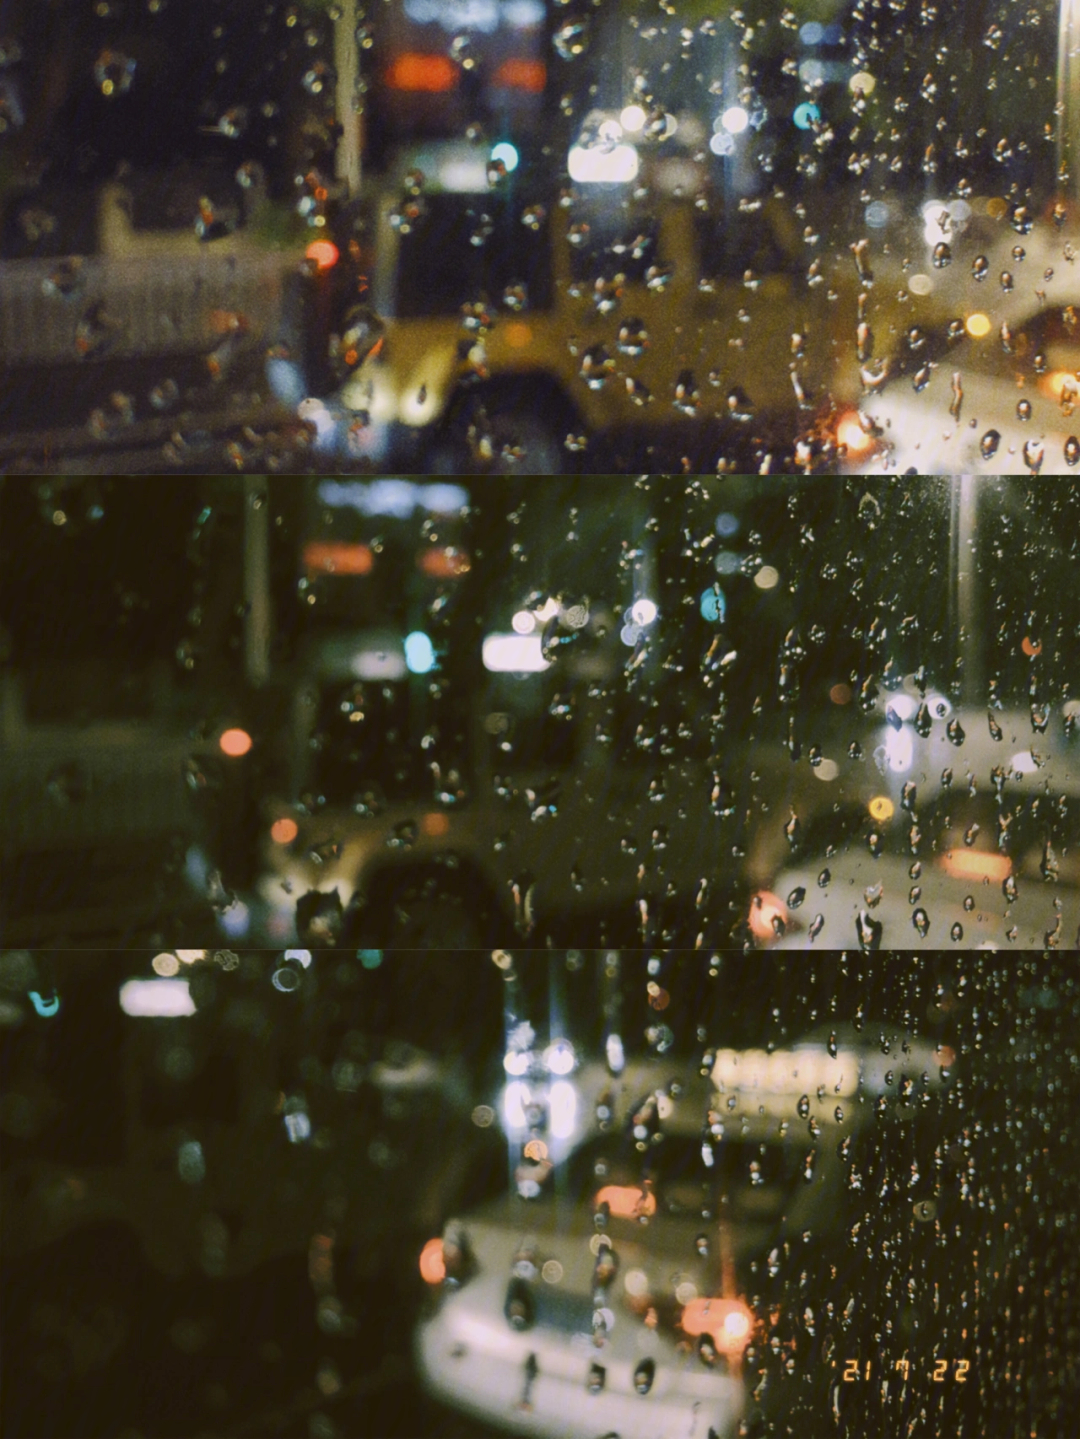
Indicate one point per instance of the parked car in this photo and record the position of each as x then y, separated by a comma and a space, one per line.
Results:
136, 314
609, 1293
512, 328
998, 402
970, 838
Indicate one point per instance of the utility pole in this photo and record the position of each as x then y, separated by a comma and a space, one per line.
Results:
1068, 96
257, 611
963, 566
347, 67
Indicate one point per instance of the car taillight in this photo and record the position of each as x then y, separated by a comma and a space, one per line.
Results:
447, 1260
768, 916
432, 1263
323, 253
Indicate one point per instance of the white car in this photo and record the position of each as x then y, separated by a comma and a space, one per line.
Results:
1002, 401
988, 859
613, 1301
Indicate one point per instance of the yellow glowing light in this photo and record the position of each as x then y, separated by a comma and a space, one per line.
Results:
165, 964
863, 81
767, 578
284, 831
727, 1322
432, 1265
435, 824
190, 956
996, 207
852, 436
881, 807
536, 1149
625, 1201
977, 325
1058, 382
518, 335
976, 864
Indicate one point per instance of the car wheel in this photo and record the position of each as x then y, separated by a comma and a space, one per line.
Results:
505, 435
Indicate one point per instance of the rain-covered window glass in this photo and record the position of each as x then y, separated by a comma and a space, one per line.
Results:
485, 955
533, 237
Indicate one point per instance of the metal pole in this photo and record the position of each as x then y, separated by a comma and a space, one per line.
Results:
347, 66
1068, 96
969, 634
256, 580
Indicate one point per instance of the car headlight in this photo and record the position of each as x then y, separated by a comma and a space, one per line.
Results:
725, 1323
559, 1057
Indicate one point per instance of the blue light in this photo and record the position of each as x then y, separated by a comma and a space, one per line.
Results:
507, 154
713, 605
369, 958
419, 653
45, 1007
727, 524
805, 115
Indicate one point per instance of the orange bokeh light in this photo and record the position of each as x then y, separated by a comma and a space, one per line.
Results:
518, 74
445, 563
284, 830
435, 824
431, 74
337, 559
323, 252
626, 1201
432, 1264
852, 436
235, 742
977, 864
728, 1322
764, 908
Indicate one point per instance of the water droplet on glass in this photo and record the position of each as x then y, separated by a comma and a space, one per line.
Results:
957, 932
113, 72
869, 932
988, 445
955, 731
571, 39
823, 878
1034, 453
817, 924
632, 338
796, 897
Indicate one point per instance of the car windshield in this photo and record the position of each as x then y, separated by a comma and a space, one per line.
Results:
740, 1179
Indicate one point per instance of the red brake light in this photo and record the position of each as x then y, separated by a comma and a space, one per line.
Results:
518, 74
432, 1266
324, 253
430, 74
765, 908
337, 558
